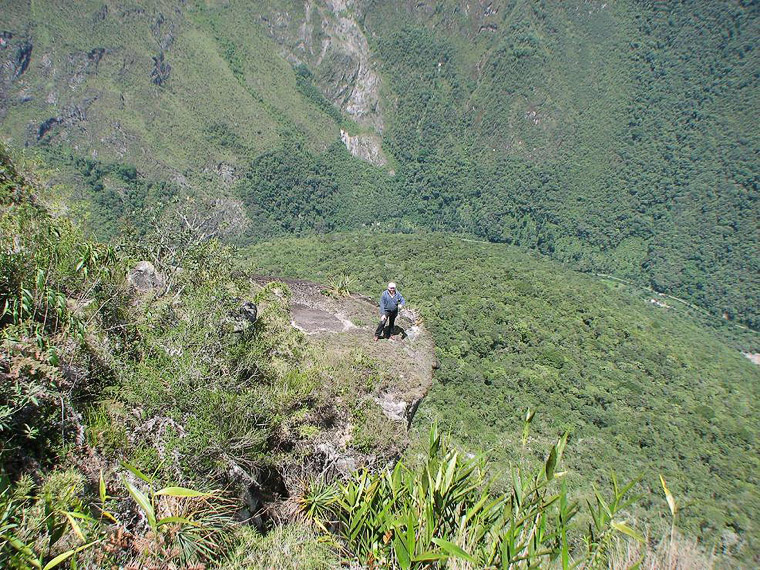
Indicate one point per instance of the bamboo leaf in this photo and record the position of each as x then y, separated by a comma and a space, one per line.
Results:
68, 554
551, 463
23, 549
180, 520
625, 529
58, 559
476, 508
75, 526
102, 490
453, 550
561, 445
602, 503
428, 556
181, 492
402, 554
142, 500
136, 472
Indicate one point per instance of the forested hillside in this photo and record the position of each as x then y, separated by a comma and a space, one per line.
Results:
641, 387
619, 137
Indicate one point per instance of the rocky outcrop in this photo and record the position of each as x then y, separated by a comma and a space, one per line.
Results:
339, 325
144, 278
46, 125
332, 43
161, 70
347, 69
366, 147
22, 58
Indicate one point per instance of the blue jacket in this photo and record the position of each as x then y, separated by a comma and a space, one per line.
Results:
390, 304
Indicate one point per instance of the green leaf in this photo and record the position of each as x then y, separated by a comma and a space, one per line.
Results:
474, 510
181, 492
74, 526
561, 446
402, 554
136, 472
428, 556
181, 520
23, 549
625, 529
551, 463
602, 503
102, 489
58, 559
453, 550
66, 555
142, 500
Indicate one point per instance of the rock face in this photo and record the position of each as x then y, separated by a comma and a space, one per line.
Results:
22, 59
342, 329
366, 147
354, 84
144, 278
161, 70
332, 43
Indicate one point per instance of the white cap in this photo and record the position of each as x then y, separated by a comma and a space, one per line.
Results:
391, 285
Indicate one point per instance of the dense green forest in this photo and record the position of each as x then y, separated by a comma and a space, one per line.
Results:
642, 389
618, 137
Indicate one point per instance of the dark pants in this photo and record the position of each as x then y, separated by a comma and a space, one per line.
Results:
390, 318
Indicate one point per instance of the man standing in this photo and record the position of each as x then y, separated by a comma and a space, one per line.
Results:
390, 301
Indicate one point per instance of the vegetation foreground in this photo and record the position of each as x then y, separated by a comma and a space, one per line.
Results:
124, 414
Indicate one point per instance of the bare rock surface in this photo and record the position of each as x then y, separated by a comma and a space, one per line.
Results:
365, 147
331, 40
144, 277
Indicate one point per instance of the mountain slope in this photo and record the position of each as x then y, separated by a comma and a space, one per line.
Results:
161, 85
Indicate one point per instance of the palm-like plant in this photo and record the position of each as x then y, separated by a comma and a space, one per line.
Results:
445, 514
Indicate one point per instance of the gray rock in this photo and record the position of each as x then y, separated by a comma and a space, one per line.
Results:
336, 460
394, 409
22, 59
144, 278
249, 311
161, 70
398, 410
244, 317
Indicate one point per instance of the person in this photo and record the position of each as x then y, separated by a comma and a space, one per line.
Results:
390, 301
